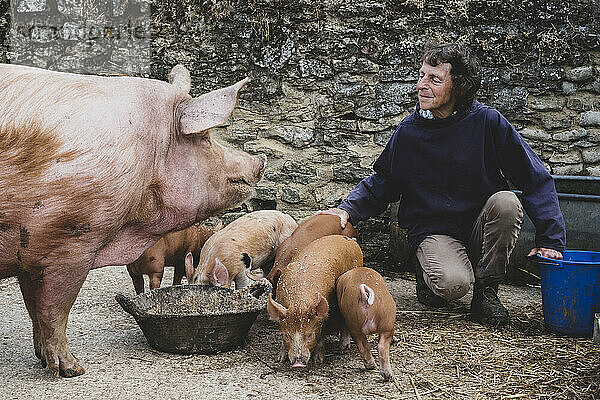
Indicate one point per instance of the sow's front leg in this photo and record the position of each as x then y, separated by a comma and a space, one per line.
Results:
28, 289
50, 299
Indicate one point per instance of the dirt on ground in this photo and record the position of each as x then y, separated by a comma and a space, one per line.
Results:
438, 354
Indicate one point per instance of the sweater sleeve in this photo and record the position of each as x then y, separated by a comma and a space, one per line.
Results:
373, 194
522, 166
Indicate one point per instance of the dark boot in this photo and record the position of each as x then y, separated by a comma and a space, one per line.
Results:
486, 307
424, 293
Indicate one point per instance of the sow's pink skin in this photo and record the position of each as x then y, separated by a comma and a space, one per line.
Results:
368, 308
171, 250
305, 293
93, 171
245, 245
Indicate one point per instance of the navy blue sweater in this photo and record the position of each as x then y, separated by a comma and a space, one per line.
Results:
446, 169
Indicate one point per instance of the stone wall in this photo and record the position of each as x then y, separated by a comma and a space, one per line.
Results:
331, 79
101, 37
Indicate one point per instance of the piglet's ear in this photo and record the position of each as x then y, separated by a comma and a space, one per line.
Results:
212, 109
180, 78
322, 307
218, 226
220, 275
189, 267
276, 311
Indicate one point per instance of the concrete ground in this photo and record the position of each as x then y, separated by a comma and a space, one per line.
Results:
438, 354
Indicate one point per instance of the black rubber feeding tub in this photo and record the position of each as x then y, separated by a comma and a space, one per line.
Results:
188, 319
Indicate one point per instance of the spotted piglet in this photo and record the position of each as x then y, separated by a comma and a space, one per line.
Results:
237, 252
368, 308
309, 230
306, 296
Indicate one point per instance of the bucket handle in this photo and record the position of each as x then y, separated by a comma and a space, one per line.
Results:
130, 306
545, 260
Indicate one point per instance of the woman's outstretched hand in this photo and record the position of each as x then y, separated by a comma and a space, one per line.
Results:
548, 253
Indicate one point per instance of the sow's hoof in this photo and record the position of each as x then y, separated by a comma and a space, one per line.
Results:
76, 370
60, 371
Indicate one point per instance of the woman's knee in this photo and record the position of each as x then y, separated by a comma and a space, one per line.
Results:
452, 285
446, 266
505, 204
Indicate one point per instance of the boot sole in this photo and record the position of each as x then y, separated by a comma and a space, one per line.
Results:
490, 321
441, 303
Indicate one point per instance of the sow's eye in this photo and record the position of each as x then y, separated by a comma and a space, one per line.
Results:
310, 336
286, 336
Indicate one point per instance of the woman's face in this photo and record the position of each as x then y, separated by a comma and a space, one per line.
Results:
434, 88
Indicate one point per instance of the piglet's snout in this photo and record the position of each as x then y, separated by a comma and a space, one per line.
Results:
299, 363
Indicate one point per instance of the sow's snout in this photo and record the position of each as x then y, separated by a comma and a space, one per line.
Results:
261, 163
243, 172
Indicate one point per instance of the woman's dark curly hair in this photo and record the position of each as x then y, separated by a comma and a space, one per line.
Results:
465, 71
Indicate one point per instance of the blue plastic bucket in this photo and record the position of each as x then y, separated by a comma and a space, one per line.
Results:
571, 292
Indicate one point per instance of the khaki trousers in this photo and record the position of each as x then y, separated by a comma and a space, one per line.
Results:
447, 263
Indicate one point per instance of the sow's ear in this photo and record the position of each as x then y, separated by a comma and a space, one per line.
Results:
180, 78
212, 109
